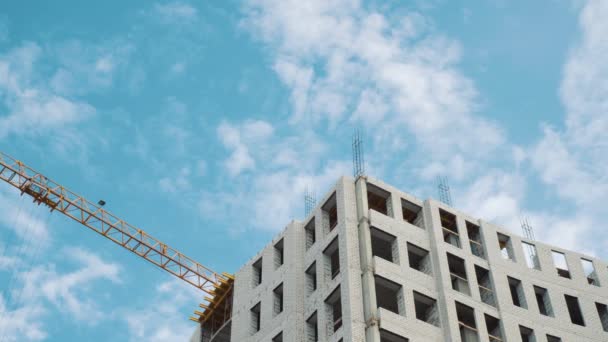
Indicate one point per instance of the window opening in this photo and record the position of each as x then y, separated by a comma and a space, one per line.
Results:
450, 228
384, 245
574, 309
485, 285
517, 293
458, 274
426, 309
419, 258
543, 301
412, 213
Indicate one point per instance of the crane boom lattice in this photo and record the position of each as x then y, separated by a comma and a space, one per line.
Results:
58, 198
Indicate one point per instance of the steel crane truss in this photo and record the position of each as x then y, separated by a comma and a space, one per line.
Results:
56, 197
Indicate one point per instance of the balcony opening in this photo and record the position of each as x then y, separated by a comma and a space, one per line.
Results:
279, 254
517, 293
312, 328
419, 258
412, 213
389, 295
531, 255
278, 337
602, 311
493, 327
561, 265
590, 272
330, 214
543, 301
333, 307
384, 245
311, 278
426, 309
310, 233
257, 272
506, 247
332, 259
475, 240
387, 336
256, 322
551, 338
278, 299
458, 274
466, 323
486, 293
450, 228
527, 334
379, 200
574, 309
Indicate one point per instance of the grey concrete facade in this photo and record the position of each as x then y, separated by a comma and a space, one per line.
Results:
412, 270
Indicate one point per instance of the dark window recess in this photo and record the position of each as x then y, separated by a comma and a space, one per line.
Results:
527, 334
551, 338
590, 272
278, 299
384, 245
255, 318
312, 328
466, 323
561, 265
475, 239
379, 200
450, 228
278, 254
543, 301
412, 213
517, 293
333, 304
388, 295
426, 309
458, 274
602, 311
332, 258
311, 278
278, 338
330, 213
387, 336
485, 285
506, 247
574, 309
310, 233
257, 272
419, 258
493, 327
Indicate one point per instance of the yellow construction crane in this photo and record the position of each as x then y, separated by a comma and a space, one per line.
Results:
217, 305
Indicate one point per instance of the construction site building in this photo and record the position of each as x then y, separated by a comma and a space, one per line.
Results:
374, 264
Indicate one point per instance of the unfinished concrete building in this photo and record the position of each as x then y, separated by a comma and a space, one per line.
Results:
372, 263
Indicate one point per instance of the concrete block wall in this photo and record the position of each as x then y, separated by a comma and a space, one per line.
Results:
299, 305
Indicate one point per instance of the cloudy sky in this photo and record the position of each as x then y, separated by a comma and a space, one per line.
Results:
205, 123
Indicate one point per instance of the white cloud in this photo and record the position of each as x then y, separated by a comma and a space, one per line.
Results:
178, 182
238, 139
43, 290
176, 11
395, 74
573, 162
26, 220
33, 109
21, 324
163, 319
70, 292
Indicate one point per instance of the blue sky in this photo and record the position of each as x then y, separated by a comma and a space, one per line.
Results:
204, 124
